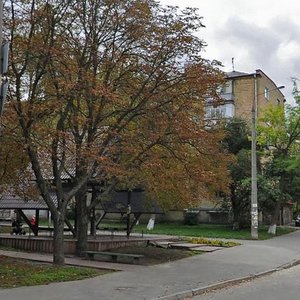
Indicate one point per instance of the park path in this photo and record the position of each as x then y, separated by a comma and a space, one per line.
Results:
172, 280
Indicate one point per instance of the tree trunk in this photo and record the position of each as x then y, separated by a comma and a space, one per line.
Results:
236, 225
93, 223
274, 219
236, 218
272, 229
275, 216
151, 222
235, 211
82, 220
58, 240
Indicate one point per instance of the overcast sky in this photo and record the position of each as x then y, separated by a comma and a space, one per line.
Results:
259, 34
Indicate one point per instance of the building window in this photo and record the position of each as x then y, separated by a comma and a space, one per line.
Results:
267, 93
221, 111
229, 110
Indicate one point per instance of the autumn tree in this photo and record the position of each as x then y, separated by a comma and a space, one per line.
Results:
113, 92
14, 171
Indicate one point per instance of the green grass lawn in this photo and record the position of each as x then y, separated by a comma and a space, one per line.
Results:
18, 272
210, 231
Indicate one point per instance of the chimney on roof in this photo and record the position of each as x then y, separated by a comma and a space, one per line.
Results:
232, 61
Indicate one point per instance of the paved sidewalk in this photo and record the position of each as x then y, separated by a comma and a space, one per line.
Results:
172, 280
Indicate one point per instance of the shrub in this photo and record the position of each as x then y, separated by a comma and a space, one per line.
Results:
209, 242
190, 218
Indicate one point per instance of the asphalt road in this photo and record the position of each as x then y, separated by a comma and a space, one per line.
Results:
282, 285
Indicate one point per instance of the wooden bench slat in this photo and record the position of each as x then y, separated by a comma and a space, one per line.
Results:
112, 228
114, 255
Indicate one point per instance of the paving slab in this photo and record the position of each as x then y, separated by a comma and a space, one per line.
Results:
206, 248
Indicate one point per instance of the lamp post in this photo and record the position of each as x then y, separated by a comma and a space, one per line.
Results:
254, 206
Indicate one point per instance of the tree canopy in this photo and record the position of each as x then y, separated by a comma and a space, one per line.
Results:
279, 136
113, 91
237, 143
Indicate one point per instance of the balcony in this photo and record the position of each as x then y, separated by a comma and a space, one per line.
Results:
227, 96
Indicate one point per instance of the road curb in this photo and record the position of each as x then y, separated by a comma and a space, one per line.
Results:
216, 286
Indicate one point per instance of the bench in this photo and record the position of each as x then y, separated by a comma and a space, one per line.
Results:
112, 228
114, 256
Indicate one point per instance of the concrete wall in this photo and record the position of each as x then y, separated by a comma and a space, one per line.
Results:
285, 217
45, 245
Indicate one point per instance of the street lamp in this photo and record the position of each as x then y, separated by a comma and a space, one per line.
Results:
254, 207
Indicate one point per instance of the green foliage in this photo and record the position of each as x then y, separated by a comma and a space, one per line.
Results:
279, 136
237, 137
240, 199
241, 168
237, 142
269, 193
274, 132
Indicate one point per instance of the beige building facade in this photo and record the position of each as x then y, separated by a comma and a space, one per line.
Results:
238, 95
241, 91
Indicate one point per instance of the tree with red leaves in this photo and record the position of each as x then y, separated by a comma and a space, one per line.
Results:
113, 91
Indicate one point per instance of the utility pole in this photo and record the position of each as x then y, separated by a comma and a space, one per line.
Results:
254, 208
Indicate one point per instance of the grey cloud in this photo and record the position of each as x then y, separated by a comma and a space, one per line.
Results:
260, 46
259, 43
286, 29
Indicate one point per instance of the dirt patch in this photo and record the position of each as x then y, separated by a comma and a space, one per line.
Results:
153, 255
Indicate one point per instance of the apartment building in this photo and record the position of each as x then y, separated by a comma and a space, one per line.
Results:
239, 93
